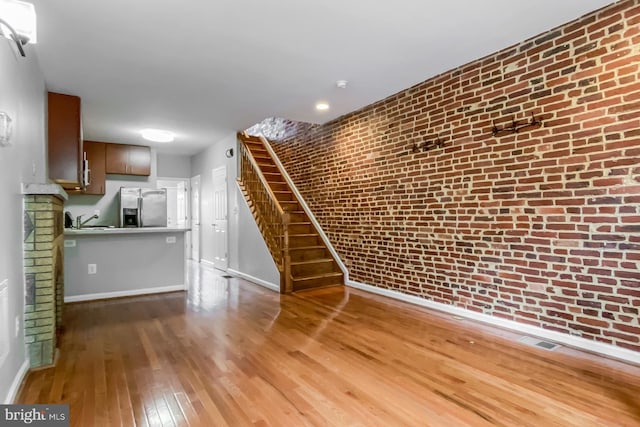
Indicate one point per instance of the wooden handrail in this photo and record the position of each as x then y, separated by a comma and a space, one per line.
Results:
271, 218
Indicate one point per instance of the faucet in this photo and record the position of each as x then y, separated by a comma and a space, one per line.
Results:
80, 223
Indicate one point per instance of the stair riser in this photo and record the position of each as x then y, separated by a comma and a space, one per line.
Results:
278, 186
299, 285
288, 197
297, 241
308, 254
298, 217
321, 267
290, 206
273, 178
300, 229
269, 169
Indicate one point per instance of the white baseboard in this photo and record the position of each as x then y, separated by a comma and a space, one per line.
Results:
207, 263
255, 280
558, 337
119, 294
17, 382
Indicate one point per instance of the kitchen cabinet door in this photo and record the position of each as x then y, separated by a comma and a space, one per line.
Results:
65, 140
117, 158
128, 159
96, 157
139, 160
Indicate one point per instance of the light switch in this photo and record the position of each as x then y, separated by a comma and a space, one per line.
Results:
69, 243
171, 239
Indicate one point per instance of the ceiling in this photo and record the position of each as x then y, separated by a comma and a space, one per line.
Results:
205, 69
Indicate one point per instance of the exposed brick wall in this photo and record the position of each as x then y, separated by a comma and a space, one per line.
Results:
541, 227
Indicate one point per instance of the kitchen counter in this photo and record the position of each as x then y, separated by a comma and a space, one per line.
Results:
93, 231
117, 262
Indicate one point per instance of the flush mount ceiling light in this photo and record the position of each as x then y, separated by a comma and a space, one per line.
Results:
322, 106
157, 135
18, 22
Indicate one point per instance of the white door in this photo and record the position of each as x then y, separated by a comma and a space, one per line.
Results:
219, 224
195, 218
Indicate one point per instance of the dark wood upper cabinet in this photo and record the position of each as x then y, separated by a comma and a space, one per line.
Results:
128, 159
117, 158
96, 158
65, 154
139, 160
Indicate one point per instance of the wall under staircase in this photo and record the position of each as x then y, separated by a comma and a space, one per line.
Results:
303, 259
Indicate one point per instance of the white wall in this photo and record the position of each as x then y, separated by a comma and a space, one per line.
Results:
248, 253
174, 166
23, 97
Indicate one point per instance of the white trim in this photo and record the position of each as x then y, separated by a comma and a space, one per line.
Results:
255, 280
17, 382
566, 339
306, 208
119, 294
207, 263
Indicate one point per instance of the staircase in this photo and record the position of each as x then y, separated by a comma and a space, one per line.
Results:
302, 258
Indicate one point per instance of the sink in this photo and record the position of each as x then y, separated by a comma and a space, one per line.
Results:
96, 227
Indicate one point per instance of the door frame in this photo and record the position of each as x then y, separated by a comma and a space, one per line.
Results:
193, 209
187, 187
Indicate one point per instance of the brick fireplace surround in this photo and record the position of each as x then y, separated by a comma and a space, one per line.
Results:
43, 270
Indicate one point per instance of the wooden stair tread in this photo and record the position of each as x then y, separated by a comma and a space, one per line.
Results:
307, 248
312, 261
318, 276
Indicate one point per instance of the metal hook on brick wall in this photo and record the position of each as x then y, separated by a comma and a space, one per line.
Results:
428, 145
515, 126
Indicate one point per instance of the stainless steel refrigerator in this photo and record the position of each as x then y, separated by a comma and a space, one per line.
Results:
143, 207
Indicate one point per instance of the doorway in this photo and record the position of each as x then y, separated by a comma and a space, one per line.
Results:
177, 200
220, 218
195, 218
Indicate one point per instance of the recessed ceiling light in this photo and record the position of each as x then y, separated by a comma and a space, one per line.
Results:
322, 106
157, 135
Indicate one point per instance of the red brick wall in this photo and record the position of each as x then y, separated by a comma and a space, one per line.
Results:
542, 226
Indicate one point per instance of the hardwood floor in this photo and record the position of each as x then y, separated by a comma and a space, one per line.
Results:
232, 353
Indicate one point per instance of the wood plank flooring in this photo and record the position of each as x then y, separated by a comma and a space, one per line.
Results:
228, 352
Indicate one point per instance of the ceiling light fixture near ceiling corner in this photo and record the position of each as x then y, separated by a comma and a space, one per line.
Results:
157, 135
322, 106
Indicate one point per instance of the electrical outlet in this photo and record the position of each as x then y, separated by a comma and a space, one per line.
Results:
171, 239
93, 269
17, 330
69, 243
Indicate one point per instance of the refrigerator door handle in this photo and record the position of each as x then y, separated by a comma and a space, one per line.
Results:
140, 199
